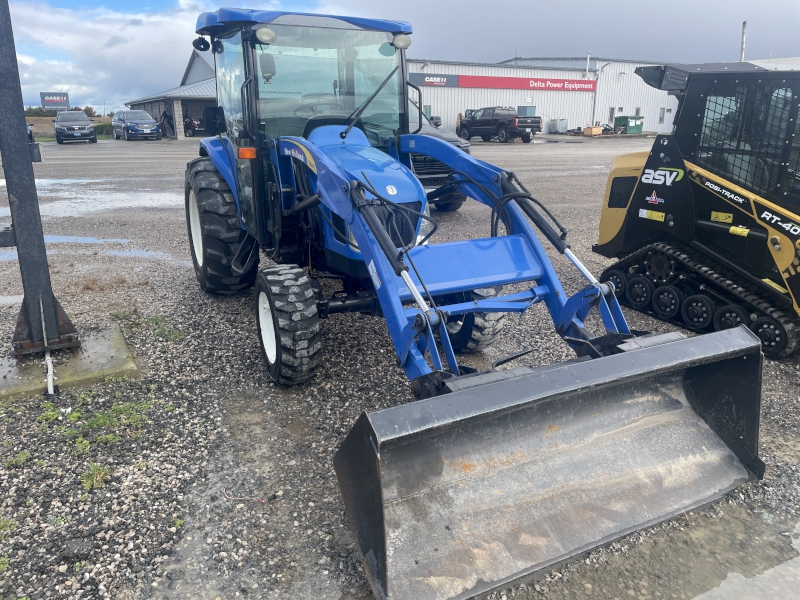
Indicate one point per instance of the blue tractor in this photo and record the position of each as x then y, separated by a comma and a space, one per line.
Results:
489, 475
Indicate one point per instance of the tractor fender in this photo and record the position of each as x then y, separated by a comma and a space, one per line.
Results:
220, 151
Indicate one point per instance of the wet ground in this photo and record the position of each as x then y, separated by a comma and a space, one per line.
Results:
262, 516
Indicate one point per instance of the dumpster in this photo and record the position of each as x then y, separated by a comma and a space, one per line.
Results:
628, 124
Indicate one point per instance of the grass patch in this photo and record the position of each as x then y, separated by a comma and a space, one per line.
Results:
74, 416
169, 408
50, 413
81, 446
175, 336
121, 315
108, 439
157, 320
6, 527
130, 415
16, 461
4, 560
95, 477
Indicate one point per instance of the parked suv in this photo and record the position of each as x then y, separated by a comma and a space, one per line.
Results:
501, 122
135, 124
74, 126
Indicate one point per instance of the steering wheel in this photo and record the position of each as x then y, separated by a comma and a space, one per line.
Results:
312, 108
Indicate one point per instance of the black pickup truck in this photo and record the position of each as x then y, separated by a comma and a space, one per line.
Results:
501, 122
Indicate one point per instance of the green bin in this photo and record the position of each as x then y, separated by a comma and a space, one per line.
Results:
630, 124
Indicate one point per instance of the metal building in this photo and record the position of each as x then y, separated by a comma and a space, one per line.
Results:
582, 91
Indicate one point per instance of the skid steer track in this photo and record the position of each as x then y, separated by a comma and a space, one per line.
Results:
704, 275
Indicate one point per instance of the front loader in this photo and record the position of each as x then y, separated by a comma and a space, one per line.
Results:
489, 475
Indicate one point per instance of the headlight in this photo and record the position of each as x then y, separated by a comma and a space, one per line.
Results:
61, 127
424, 226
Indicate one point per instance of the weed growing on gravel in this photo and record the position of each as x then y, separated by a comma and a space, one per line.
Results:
81, 446
16, 461
8, 443
175, 336
4, 560
157, 320
169, 408
177, 523
94, 477
108, 439
74, 416
85, 397
121, 315
6, 527
50, 414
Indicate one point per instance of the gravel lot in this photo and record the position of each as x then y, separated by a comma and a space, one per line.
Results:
200, 479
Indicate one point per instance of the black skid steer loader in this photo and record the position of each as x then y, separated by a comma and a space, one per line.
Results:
706, 226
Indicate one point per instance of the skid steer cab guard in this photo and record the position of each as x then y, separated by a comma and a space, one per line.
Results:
489, 475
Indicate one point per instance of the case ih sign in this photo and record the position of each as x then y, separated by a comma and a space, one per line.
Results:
544, 84
54, 100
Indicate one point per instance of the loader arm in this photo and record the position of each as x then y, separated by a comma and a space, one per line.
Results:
342, 170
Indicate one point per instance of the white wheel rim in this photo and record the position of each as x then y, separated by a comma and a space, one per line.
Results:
194, 224
267, 328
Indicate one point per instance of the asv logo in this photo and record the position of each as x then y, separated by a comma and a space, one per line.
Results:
662, 176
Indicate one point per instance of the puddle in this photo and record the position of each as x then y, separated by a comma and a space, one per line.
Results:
777, 582
95, 200
73, 239
9, 255
46, 184
11, 300
709, 557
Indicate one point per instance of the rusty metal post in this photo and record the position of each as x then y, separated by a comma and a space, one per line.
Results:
42, 324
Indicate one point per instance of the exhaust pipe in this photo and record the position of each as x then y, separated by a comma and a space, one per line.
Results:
516, 470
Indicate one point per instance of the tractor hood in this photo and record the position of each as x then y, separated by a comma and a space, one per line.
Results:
358, 159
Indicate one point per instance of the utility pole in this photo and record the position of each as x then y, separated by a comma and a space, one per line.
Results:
42, 324
744, 32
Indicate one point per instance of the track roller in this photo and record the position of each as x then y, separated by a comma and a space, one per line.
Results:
698, 311
639, 292
667, 301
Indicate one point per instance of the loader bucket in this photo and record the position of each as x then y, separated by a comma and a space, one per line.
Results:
458, 494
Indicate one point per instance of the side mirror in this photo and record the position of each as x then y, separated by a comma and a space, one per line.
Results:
91, 119
266, 63
54, 120
437, 121
214, 119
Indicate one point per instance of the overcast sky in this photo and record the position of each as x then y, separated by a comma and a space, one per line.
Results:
116, 50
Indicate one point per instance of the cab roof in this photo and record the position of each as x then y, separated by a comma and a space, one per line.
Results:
211, 22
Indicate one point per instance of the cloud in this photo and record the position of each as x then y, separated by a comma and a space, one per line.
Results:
92, 61
115, 40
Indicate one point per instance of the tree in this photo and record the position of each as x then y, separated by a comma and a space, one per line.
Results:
89, 110
110, 114
38, 111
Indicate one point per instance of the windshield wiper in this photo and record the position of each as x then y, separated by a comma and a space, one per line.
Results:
351, 120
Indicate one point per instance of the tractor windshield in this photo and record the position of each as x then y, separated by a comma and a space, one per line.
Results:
323, 75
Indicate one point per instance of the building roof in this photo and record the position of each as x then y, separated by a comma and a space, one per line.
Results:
554, 63
205, 56
206, 89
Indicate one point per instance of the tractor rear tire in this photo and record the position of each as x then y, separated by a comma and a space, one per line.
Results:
474, 332
455, 202
214, 232
288, 324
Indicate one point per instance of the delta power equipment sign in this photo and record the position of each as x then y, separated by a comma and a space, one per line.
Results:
510, 83
55, 100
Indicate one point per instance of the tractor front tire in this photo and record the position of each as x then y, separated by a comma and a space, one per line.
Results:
214, 232
474, 332
452, 204
288, 324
